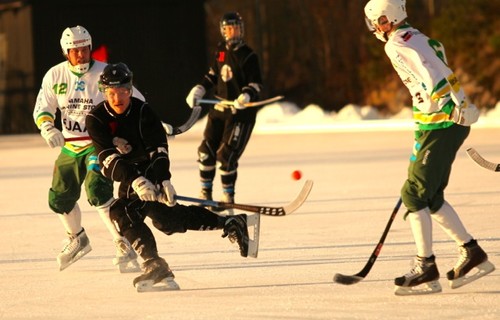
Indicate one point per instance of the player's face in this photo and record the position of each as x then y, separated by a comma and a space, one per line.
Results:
79, 55
383, 25
231, 31
118, 98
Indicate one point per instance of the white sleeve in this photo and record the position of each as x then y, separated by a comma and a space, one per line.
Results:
46, 102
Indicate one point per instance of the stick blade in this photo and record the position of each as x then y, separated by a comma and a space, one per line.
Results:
346, 280
477, 158
193, 117
300, 199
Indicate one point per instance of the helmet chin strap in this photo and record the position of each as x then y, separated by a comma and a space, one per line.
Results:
382, 36
79, 68
234, 44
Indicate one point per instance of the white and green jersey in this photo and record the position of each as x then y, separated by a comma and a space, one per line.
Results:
422, 66
75, 95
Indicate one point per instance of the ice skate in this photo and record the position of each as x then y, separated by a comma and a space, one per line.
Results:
236, 229
157, 276
206, 194
126, 258
227, 197
471, 256
423, 278
75, 247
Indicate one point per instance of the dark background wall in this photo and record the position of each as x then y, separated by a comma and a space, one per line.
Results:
163, 43
311, 51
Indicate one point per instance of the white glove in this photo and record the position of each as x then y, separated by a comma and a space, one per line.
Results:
194, 95
168, 193
240, 102
144, 189
51, 134
168, 128
465, 115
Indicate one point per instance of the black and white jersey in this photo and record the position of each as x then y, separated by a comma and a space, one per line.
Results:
234, 71
130, 144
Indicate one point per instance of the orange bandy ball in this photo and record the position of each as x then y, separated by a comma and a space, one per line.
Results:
296, 175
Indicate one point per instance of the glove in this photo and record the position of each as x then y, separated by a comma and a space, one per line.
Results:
240, 102
51, 134
144, 189
168, 193
194, 95
168, 128
465, 115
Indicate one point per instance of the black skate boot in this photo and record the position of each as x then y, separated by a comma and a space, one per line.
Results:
236, 230
471, 256
157, 276
423, 278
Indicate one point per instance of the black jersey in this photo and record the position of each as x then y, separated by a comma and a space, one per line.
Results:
234, 71
130, 144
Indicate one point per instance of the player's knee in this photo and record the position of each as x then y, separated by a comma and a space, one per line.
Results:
60, 203
99, 191
124, 219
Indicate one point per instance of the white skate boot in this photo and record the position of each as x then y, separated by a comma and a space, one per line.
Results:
157, 277
126, 258
76, 246
423, 278
471, 256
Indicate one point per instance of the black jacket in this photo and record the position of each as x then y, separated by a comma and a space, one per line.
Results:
130, 144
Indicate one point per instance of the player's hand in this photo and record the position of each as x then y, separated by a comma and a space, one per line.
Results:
51, 134
465, 115
168, 193
144, 189
239, 103
194, 95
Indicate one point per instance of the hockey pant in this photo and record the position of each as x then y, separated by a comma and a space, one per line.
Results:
129, 218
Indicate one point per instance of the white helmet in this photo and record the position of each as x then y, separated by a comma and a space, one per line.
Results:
76, 37
394, 10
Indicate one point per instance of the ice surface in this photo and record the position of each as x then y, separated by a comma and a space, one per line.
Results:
358, 170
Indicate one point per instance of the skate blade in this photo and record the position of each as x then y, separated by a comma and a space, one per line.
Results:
129, 266
253, 224
167, 284
481, 270
77, 257
424, 288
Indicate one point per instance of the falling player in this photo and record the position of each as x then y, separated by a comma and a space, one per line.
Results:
133, 150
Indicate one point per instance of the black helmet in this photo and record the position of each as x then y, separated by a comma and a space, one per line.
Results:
116, 75
232, 19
